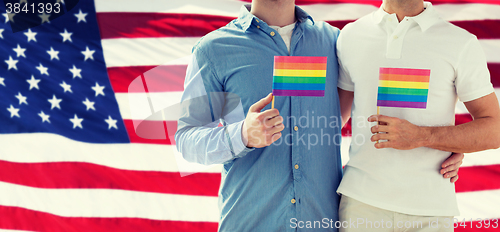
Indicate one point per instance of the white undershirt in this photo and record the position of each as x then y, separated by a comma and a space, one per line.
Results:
285, 33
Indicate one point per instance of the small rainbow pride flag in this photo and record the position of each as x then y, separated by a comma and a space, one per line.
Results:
299, 76
403, 87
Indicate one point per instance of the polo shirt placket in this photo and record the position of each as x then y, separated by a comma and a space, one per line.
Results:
396, 32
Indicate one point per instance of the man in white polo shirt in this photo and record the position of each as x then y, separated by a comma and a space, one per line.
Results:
393, 185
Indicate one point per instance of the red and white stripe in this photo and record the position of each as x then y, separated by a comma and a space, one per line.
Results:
57, 184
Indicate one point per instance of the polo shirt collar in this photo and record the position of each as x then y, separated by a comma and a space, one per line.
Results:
379, 15
425, 19
246, 19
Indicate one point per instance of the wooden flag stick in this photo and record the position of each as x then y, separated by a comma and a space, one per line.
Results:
378, 112
272, 104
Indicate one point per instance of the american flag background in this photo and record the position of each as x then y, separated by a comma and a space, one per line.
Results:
70, 156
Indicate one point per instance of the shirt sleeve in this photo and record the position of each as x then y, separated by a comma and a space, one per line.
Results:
209, 126
345, 82
472, 75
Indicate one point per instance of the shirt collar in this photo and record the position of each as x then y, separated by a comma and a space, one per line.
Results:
245, 18
379, 15
425, 19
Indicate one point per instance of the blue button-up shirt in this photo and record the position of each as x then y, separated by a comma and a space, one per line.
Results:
291, 183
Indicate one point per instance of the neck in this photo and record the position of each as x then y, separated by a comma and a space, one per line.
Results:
274, 12
403, 8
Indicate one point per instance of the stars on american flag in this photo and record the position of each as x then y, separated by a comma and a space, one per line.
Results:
31, 35
111, 122
66, 102
66, 87
81, 16
76, 72
9, 17
33, 82
44, 17
13, 111
77, 122
54, 102
11, 63
89, 54
45, 117
89, 104
22, 99
53, 54
20, 51
43, 70
98, 89
66, 35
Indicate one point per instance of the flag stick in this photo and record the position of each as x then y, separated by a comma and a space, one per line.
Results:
272, 104
378, 112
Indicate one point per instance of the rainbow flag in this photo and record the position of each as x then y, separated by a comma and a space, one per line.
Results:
299, 76
403, 87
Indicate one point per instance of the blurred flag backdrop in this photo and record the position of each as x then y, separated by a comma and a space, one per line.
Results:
70, 159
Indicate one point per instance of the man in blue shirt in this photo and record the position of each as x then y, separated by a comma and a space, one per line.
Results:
272, 188
281, 166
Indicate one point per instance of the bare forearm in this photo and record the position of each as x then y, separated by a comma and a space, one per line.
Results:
346, 115
345, 99
480, 134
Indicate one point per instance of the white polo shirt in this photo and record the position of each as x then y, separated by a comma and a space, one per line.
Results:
406, 181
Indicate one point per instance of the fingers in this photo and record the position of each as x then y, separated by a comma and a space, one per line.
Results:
380, 128
276, 129
275, 137
381, 145
451, 174
271, 138
453, 167
373, 118
268, 114
268, 119
453, 159
382, 119
378, 137
258, 106
274, 121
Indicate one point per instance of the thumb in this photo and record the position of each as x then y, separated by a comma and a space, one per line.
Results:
258, 106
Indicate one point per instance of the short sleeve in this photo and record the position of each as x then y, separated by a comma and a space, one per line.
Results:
472, 75
345, 81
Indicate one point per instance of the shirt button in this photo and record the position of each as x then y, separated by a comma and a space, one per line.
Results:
272, 33
258, 26
296, 166
257, 20
296, 128
293, 201
395, 37
389, 19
